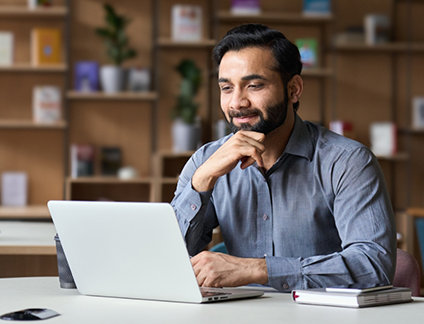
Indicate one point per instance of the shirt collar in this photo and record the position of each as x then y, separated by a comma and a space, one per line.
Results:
300, 141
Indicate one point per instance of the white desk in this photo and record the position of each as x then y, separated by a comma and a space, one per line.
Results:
21, 293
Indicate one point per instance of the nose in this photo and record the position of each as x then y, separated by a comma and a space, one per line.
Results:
238, 100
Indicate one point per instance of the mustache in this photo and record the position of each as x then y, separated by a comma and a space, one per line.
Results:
244, 112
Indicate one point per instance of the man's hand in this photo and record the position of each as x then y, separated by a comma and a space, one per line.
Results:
223, 270
244, 146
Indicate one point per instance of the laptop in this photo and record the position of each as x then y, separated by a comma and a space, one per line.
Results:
131, 250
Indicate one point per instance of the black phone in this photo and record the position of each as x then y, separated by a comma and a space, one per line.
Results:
30, 314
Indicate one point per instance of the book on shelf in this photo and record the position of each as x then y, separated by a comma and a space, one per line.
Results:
14, 189
418, 113
245, 7
343, 128
32, 4
47, 104
308, 49
317, 7
351, 297
86, 76
6, 48
383, 136
82, 160
186, 23
46, 46
377, 29
110, 160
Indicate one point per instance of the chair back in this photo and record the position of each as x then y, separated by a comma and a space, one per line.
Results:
408, 273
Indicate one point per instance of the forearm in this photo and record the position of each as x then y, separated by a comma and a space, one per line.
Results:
361, 264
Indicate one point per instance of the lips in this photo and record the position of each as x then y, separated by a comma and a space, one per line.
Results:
244, 116
244, 119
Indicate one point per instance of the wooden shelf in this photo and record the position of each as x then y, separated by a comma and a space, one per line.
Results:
397, 157
317, 73
29, 124
27, 67
412, 130
275, 17
142, 96
23, 11
109, 180
168, 43
171, 154
28, 212
384, 47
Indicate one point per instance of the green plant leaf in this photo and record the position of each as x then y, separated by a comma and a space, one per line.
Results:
116, 39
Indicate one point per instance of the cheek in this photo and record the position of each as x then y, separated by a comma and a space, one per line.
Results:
225, 102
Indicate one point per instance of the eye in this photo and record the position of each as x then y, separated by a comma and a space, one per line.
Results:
255, 86
225, 88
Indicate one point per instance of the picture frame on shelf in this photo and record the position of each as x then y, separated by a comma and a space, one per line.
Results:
308, 49
6, 47
186, 23
14, 188
86, 76
418, 113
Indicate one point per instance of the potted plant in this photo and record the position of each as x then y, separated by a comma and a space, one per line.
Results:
186, 127
117, 50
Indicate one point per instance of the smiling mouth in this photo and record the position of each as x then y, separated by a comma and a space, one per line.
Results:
244, 119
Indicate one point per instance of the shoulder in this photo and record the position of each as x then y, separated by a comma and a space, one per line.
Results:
336, 149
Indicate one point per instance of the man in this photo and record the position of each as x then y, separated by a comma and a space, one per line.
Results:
298, 206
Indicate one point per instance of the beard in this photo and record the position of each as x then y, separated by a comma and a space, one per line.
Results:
276, 116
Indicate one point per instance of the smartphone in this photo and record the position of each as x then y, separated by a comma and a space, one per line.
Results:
29, 314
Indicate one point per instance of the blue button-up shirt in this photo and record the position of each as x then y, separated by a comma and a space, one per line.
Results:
321, 215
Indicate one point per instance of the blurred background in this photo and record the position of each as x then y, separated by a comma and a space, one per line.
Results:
107, 100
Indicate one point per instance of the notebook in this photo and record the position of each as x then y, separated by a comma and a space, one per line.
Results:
131, 250
351, 297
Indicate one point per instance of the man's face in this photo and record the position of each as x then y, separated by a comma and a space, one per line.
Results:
253, 96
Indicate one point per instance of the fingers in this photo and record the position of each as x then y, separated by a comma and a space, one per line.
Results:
250, 147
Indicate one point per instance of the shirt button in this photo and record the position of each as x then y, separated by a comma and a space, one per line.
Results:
265, 217
285, 286
193, 207
265, 255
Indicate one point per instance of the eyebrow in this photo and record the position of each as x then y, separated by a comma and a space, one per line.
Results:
245, 78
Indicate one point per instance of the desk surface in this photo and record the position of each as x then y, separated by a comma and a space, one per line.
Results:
27, 237
21, 293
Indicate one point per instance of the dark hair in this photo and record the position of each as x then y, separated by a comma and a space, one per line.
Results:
286, 54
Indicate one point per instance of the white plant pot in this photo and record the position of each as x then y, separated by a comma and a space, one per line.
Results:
112, 78
185, 137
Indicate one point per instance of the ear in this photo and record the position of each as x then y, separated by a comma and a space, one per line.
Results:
295, 88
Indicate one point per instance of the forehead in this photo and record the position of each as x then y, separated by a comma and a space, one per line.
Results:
251, 60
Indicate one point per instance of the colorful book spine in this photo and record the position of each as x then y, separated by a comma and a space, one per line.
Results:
46, 46
82, 160
317, 7
245, 7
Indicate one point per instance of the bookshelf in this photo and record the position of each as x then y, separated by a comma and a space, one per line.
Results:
354, 82
35, 148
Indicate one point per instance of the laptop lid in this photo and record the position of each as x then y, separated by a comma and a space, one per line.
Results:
127, 249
